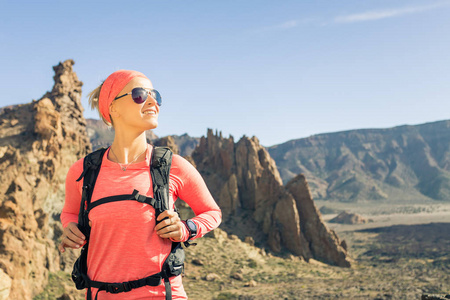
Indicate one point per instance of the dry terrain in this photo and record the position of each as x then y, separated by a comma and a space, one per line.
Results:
402, 254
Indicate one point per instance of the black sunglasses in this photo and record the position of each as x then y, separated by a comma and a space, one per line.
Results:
140, 94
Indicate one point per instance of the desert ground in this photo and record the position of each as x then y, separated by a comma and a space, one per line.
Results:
402, 253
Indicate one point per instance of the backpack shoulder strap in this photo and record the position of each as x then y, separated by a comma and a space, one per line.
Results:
160, 170
91, 168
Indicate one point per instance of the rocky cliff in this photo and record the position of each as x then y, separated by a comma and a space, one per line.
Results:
245, 182
400, 163
38, 143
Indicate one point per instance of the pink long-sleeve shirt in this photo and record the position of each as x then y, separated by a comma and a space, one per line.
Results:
123, 244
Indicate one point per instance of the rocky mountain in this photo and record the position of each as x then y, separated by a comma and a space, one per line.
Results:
400, 163
245, 182
38, 143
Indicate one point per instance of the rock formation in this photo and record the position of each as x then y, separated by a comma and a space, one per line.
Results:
245, 182
348, 218
39, 141
168, 141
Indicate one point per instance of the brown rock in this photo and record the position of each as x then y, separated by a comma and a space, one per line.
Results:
168, 141
65, 297
249, 240
245, 182
5, 285
348, 218
251, 283
39, 143
218, 234
324, 243
237, 276
286, 219
198, 262
212, 277
233, 237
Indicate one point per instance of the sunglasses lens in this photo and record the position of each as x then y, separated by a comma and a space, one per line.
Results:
139, 95
157, 96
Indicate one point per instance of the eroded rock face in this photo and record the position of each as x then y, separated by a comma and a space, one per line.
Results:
245, 182
39, 141
168, 141
324, 243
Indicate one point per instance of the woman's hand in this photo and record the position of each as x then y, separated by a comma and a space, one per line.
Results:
71, 237
170, 227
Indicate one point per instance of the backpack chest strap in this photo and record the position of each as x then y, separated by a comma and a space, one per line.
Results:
134, 196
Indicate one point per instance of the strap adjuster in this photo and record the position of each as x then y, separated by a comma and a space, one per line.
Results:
141, 198
138, 197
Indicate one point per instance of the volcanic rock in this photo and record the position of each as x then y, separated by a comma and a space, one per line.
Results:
323, 242
245, 182
348, 218
168, 141
39, 141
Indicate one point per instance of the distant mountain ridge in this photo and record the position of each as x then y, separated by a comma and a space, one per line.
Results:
400, 163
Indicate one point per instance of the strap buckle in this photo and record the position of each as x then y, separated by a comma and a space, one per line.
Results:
153, 280
115, 288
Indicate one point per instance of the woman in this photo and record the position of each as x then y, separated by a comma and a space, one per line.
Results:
125, 242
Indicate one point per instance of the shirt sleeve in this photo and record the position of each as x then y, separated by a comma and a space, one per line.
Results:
192, 189
73, 194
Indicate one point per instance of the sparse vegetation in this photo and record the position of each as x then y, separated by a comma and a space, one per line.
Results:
397, 262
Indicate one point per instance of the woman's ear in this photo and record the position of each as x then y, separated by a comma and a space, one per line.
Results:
113, 111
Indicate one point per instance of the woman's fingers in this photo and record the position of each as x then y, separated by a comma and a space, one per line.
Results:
166, 214
68, 242
72, 237
174, 232
168, 218
170, 226
73, 228
61, 247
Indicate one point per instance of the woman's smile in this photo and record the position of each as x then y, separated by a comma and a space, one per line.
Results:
150, 112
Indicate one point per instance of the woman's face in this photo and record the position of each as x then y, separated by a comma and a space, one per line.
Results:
125, 112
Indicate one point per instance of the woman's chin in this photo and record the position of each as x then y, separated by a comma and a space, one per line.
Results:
152, 125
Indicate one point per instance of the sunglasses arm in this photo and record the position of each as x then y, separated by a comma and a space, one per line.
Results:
122, 96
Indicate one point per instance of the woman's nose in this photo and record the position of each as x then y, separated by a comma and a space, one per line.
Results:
151, 101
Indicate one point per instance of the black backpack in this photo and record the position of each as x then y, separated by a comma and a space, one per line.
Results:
173, 266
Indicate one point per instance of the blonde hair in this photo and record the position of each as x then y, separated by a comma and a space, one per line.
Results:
93, 102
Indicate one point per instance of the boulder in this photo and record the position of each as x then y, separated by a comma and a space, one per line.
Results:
348, 218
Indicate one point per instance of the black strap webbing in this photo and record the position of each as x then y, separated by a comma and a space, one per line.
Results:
134, 196
115, 288
168, 289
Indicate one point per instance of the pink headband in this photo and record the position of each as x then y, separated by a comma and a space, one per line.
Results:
111, 88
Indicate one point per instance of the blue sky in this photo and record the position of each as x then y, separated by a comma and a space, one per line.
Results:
279, 70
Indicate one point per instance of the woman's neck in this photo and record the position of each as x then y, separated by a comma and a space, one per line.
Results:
128, 147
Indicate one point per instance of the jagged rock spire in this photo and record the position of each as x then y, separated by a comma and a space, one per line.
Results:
40, 140
245, 182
